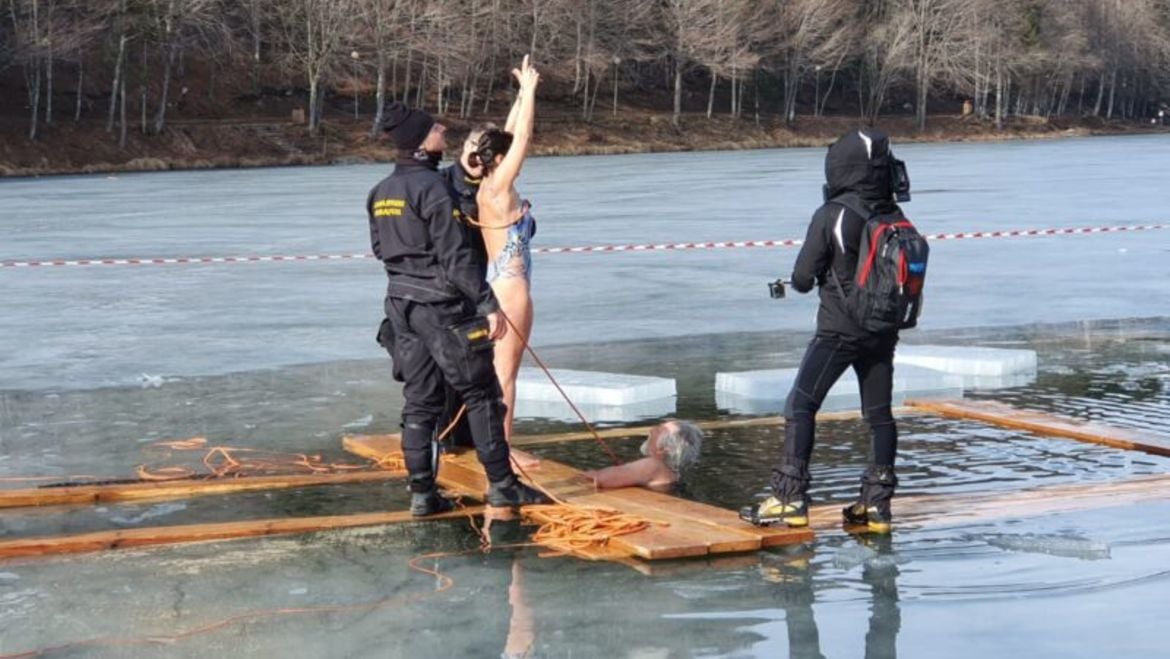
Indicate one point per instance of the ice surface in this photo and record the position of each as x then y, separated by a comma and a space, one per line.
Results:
764, 392
595, 412
985, 363
591, 387
1053, 545
80, 327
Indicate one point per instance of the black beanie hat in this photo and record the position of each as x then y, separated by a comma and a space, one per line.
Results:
407, 127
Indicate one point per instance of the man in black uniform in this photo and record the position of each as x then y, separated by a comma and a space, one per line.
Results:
442, 313
860, 171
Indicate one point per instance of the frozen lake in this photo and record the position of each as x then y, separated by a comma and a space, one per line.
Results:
96, 363
70, 327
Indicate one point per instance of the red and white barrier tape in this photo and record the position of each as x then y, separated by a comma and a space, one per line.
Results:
648, 247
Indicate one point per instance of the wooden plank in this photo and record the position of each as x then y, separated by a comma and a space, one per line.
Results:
687, 529
179, 489
769, 536
462, 474
1045, 424
168, 535
683, 530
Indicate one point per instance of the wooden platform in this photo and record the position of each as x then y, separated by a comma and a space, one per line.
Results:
1045, 424
682, 529
179, 489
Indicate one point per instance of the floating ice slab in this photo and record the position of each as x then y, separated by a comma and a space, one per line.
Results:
592, 388
764, 392
980, 368
595, 412
962, 360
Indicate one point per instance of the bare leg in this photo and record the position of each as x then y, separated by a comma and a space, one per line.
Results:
516, 304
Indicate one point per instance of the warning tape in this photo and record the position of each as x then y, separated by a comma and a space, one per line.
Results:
648, 247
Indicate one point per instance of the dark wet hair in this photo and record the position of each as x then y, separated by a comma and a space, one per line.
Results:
494, 142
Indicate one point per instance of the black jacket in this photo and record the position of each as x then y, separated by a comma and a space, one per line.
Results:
463, 189
429, 255
858, 181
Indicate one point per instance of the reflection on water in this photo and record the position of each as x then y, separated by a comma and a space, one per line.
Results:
354, 593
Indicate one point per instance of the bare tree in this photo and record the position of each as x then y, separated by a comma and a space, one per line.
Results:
933, 30
314, 32
175, 19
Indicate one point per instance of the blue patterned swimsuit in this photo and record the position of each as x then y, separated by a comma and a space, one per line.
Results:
515, 259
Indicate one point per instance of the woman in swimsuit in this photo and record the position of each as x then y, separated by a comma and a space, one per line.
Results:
507, 227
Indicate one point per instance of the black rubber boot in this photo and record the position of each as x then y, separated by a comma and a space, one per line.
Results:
511, 493
873, 505
429, 503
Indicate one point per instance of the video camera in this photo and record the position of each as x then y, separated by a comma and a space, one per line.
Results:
777, 290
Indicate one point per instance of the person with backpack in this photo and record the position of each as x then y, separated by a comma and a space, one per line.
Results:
869, 264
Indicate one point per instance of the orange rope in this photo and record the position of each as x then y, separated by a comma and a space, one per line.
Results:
567, 528
236, 462
612, 456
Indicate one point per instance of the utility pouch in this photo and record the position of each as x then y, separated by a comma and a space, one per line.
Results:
473, 333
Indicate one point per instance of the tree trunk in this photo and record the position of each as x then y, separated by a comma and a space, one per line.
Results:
1100, 96
142, 77
406, 82
117, 82
314, 91
756, 91
920, 104
122, 112
380, 94
49, 86
80, 86
674, 120
585, 93
256, 51
577, 74
1112, 93
615, 89
999, 96
487, 99
711, 95
33, 78
160, 119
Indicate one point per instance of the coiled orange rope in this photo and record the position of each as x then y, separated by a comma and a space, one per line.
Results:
567, 528
235, 462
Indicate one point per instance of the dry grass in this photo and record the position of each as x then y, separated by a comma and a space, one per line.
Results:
147, 165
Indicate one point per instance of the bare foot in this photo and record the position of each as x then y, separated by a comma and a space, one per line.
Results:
525, 460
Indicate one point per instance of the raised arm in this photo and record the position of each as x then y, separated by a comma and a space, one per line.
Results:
525, 111
514, 113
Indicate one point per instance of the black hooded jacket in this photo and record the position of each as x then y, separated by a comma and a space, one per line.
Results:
858, 184
428, 253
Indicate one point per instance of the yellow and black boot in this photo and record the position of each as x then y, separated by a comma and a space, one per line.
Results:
789, 501
872, 509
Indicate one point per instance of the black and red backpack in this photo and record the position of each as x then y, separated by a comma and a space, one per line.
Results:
886, 291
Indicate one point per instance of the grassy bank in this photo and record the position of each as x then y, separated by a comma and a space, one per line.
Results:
85, 147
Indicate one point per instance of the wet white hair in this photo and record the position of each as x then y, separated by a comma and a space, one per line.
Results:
680, 443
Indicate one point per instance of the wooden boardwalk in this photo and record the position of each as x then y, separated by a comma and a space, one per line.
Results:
680, 528
1041, 423
179, 489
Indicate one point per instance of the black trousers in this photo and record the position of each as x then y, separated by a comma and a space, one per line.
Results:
436, 345
460, 435
824, 362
